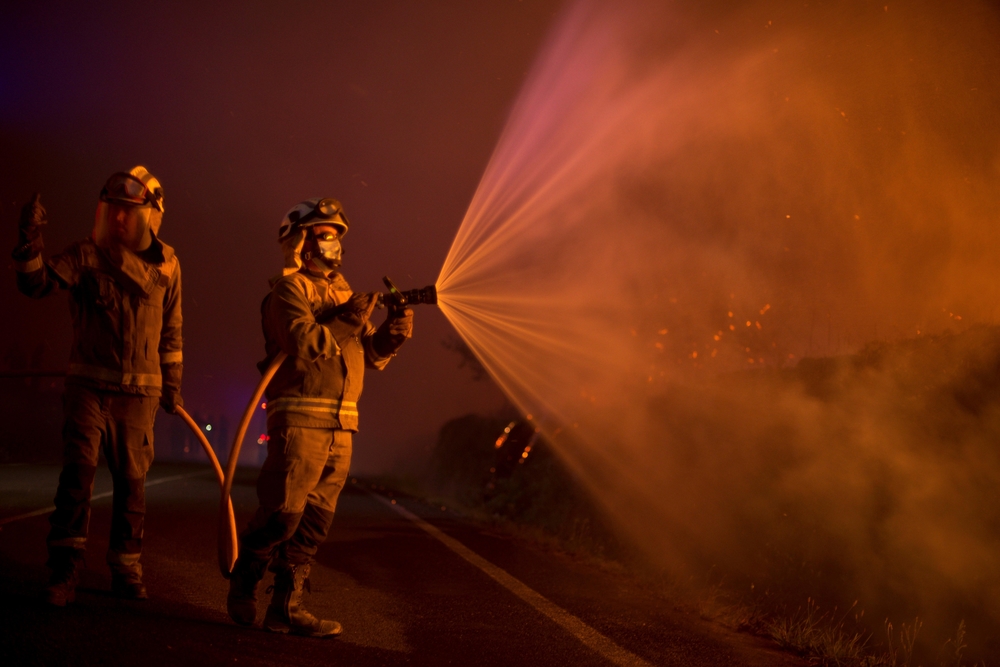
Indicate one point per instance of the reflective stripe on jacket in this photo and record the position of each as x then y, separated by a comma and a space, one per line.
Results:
319, 385
126, 314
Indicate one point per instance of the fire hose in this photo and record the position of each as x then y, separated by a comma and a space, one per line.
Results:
225, 564
228, 543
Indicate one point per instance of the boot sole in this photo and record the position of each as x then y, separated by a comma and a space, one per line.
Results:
60, 601
283, 628
130, 595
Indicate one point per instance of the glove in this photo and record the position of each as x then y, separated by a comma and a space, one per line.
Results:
349, 318
171, 399
400, 322
29, 231
393, 332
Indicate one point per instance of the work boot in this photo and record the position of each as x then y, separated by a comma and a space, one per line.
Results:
128, 586
242, 599
65, 563
61, 590
286, 613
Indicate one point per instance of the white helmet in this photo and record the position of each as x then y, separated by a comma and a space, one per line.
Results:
315, 211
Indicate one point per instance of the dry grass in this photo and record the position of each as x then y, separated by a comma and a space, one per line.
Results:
832, 639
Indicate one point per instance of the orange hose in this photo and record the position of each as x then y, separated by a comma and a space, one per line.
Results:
234, 455
228, 548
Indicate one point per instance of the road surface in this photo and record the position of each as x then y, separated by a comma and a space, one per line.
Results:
412, 584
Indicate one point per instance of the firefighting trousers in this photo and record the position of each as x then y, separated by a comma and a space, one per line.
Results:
120, 425
298, 488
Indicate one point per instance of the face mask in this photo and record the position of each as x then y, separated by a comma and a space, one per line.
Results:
330, 250
328, 253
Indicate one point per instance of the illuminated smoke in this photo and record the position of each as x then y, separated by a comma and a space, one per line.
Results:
682, 193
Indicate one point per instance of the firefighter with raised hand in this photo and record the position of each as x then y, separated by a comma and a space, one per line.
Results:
312, 412
124, 288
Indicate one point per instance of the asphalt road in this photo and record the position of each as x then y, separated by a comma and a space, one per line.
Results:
411, 584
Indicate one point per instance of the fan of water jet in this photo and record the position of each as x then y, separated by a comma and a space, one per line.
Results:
665, 205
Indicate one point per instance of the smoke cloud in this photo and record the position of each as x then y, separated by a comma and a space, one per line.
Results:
683, 195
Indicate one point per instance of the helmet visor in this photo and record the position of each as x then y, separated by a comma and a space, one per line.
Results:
118, 224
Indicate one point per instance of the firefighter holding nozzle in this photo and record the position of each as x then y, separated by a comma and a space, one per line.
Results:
124, 287
312, 413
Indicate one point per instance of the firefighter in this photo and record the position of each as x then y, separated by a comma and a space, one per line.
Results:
124, 287
312, 413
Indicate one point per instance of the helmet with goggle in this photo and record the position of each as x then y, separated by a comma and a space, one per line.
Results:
135, 188
123, 216
316, 211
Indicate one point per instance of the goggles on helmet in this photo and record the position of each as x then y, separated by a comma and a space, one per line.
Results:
126, 188
325, 210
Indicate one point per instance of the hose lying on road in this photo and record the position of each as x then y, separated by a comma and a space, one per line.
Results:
225, 565
228, 548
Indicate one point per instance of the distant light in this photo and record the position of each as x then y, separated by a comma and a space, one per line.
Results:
263, 406
260, 441
208, 427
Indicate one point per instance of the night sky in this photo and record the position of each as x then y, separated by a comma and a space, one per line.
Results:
243, 110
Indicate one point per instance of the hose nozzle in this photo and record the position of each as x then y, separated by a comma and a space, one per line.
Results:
397, 298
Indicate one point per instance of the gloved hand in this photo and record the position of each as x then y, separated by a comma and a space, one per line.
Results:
29, 231
400, 322
349, 318
170, 401
394, 332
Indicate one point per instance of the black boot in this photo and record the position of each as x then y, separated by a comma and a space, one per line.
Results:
128, 585
65, 563
286, 613
242, 600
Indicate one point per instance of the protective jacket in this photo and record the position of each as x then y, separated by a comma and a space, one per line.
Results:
126, 311
319, 384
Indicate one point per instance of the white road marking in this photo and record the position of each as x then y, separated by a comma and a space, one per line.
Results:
583, 632
97, 496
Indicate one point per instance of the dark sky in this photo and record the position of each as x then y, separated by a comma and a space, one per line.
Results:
242, 110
